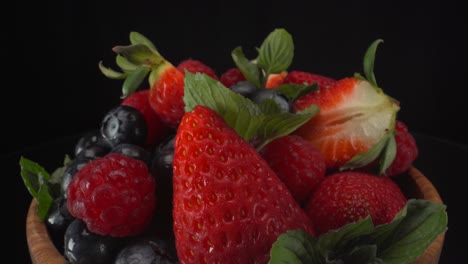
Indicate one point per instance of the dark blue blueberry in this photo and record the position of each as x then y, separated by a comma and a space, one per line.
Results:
245, 88
133, 151
148, 251
161, 165
272, 94
58, 220
92, 145
83, 246
124, 124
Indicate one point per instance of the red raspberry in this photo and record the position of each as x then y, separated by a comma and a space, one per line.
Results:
407, 150
231, 77
157, 130
114, 195
297, 162
301, 77
194, 66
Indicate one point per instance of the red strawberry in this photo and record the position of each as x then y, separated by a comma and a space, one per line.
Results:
166, 93
354, 115
156, 129
229, 206
194, 66
407, 150
301, 77
297, 162
275, 79
347, 197
231, 77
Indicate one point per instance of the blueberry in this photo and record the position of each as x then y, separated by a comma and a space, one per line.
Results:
148, 251
124, 124
245, 88
163, 155
76, 165
83, 246
133, 151
92, 145
272, 94
58, 220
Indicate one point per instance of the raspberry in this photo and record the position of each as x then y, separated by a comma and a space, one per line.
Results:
156, 129
231, 77
194, 66
114, 195
407, 150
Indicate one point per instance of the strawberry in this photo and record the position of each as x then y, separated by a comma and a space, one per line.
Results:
301, 77
229, 206
275, 79
231, 77
194, 66
156, 129
346, 197
353, 117
297, 162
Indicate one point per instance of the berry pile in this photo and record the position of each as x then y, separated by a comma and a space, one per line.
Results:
260, 165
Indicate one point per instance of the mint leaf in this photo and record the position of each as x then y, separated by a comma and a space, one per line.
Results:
363, 254
36, 179
294, 91
248, 69
296, 246
369, 60
422, 224
240, 113
281, 124
276, 52
134, 80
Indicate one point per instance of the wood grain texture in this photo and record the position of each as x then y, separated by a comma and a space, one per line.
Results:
414, 184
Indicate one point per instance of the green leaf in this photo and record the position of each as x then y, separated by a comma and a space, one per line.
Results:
134, 80
124, 64
240, 113
423, 223
137, 38
276, 52
295, 247
139, 54
248, 69
278, 125
363, 254
294, 91
109, 73
388, 153
369, 60
36, 180
365, 158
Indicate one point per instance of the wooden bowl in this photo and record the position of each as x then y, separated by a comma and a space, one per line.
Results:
414, 184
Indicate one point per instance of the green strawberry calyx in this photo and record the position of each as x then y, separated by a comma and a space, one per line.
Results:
401, 241
136, 61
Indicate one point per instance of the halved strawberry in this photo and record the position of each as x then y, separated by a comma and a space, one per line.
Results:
354, 115
275, 79
301, 77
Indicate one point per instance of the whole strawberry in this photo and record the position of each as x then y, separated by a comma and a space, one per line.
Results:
229, 206
156, 129
302, 77
114, 195
195, 66
231, 77
346, 197
297, 163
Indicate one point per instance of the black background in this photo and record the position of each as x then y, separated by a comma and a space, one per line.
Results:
57, 90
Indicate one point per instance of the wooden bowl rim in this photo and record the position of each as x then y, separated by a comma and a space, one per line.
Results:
42, 250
